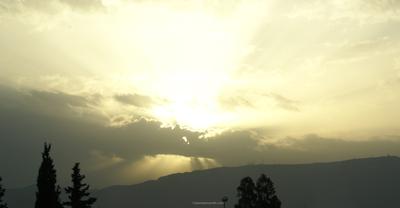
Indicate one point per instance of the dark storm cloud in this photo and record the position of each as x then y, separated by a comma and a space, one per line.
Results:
52, 104
56, 99
30, 118
27, 119
137, 100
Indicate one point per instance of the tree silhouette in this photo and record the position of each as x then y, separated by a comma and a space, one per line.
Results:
261, 195
246, 193
266, 196
2, 191
78, 191
48, 192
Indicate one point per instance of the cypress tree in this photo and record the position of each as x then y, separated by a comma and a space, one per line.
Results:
48, 192
246, 193
266, 195
78, 192
2, 191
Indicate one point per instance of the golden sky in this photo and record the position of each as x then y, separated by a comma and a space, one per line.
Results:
323, 67
276, 68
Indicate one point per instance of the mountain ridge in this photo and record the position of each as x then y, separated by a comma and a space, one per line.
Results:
323, 184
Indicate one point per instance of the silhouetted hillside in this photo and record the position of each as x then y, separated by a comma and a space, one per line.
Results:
21, 197
364, 183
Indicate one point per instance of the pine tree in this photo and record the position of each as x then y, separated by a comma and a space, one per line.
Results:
246, 193
266, 196
78, 191
2, 191
48, 192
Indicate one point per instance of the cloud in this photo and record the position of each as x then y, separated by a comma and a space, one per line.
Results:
312, 146
155, 166
57, 99
137, 100
52, 104
107, 152
83, 4
48, 6
288, 68
121, 120
363, 12
29, 119
285, 103
103, 161
73, 53
231, 102
362, 51
254, 100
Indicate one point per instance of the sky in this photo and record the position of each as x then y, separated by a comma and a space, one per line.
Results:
138, 89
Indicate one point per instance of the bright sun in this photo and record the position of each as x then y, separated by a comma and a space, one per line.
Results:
189, 56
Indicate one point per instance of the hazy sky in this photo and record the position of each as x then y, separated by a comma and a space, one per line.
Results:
136, 89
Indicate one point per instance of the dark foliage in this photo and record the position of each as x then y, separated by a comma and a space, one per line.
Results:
246, 193
261, 195
266, 196
48, 192
78, 192
2, 191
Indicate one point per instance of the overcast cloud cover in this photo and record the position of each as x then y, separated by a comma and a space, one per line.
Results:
109, 154
229, 82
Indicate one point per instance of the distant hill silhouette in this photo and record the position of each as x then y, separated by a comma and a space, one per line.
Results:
363, 183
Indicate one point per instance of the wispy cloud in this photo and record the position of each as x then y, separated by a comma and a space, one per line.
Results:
135, 100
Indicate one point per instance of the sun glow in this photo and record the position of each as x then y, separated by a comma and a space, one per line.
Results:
184, 55
163, 164
190, 56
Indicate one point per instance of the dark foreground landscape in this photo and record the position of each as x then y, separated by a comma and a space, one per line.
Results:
364, 183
